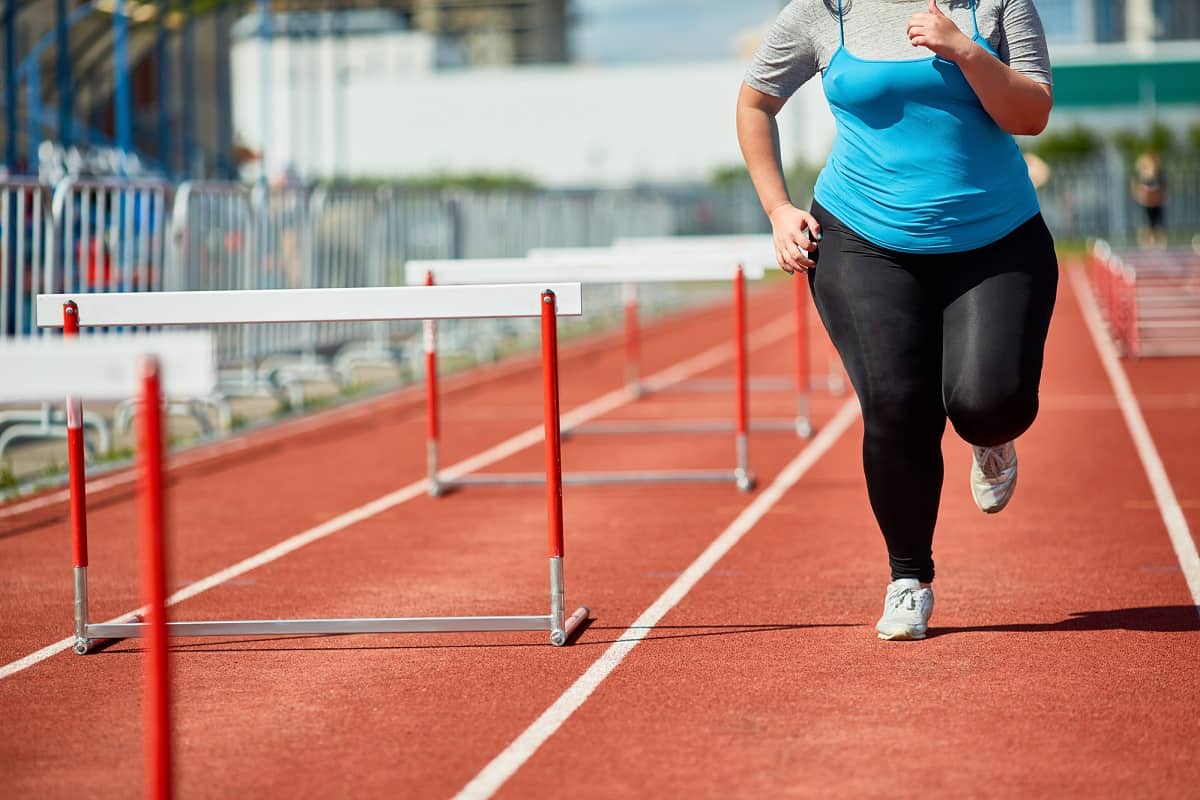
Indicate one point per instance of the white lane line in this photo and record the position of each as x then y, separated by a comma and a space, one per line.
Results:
506, 764
706, 360
1164, 494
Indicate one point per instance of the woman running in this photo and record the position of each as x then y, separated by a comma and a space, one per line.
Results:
935, 274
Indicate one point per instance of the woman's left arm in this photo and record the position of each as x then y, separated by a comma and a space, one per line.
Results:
1018, 104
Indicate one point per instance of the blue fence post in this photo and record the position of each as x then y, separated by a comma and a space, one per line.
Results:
188, 74
10, 85
122, 101
33, 109
224, 111
66, 89
264, 81
162, 61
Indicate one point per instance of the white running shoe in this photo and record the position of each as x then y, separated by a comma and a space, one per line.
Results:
994, 476
906, 610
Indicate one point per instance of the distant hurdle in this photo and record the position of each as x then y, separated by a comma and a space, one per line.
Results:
1149, 298
545, 300
759, 249
599, 267
118, 367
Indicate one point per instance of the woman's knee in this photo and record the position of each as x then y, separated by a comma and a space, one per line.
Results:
990, 419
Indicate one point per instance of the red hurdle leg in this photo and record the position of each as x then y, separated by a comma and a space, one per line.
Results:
804, 427
559, 626
745, 481
1131, 312
633, 351
154, 586
77, 491
431, 401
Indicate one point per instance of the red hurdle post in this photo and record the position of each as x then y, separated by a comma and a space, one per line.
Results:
554, 500
431, 401
803, 368
1129, 287
741, 383
633, 353
154, 586
77, 483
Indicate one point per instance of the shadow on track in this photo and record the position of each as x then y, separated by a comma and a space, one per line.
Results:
1151, 619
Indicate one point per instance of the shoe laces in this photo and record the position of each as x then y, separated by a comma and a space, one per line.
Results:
992, 460
906, 596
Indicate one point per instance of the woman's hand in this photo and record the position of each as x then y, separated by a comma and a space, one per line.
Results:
793, 240
934, 30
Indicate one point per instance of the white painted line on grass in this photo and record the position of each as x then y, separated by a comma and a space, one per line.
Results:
1164, 494
506, 764
706, 360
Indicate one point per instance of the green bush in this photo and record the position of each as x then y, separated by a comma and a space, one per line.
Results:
1159, 139
1062, 147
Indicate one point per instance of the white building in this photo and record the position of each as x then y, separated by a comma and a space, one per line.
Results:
385, 102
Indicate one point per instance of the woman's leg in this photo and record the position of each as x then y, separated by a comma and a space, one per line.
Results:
998, 301
886, 322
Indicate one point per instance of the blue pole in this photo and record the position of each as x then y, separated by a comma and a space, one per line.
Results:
188, 73
122, 99
264, 83
10, 85
66, 99
33, 108
224, 110
162, 62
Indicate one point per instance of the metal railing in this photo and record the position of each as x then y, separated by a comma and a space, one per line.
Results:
103, 235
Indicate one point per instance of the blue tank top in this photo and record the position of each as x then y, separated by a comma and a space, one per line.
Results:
918, 165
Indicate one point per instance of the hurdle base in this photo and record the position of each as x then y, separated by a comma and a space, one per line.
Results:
90, 643
322, 627
596, 478
799, 425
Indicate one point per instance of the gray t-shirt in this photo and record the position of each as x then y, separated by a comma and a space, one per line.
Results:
805, 36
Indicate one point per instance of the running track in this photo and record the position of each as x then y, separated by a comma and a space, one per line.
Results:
1064, 660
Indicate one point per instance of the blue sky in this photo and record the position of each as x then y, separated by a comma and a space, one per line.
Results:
664, 30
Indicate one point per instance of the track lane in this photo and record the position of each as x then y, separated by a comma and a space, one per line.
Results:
421, 704
1061, 663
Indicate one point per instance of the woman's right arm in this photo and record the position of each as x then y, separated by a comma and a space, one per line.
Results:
758, 135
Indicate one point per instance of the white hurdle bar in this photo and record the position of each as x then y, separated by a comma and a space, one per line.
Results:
118, 367
544, 300
600, 267
760, 249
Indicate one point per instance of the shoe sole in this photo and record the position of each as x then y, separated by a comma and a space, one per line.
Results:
905, 635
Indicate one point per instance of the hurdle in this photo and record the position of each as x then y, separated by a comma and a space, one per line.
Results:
116, 367
593, 271
1149, 298
759, 248
546, 301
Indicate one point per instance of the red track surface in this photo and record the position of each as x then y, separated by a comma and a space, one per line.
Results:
1063, 661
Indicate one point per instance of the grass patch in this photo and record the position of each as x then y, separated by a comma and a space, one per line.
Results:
9, 485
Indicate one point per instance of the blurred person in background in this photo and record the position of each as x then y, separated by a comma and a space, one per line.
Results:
925, 248
1149, 189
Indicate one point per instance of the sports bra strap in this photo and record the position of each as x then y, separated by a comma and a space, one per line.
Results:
841, 24
974, 18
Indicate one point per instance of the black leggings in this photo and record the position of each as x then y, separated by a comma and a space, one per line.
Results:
926, 337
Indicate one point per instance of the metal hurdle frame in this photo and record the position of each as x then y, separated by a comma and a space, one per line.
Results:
760, 248
621, 271
107, 368
545, 300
